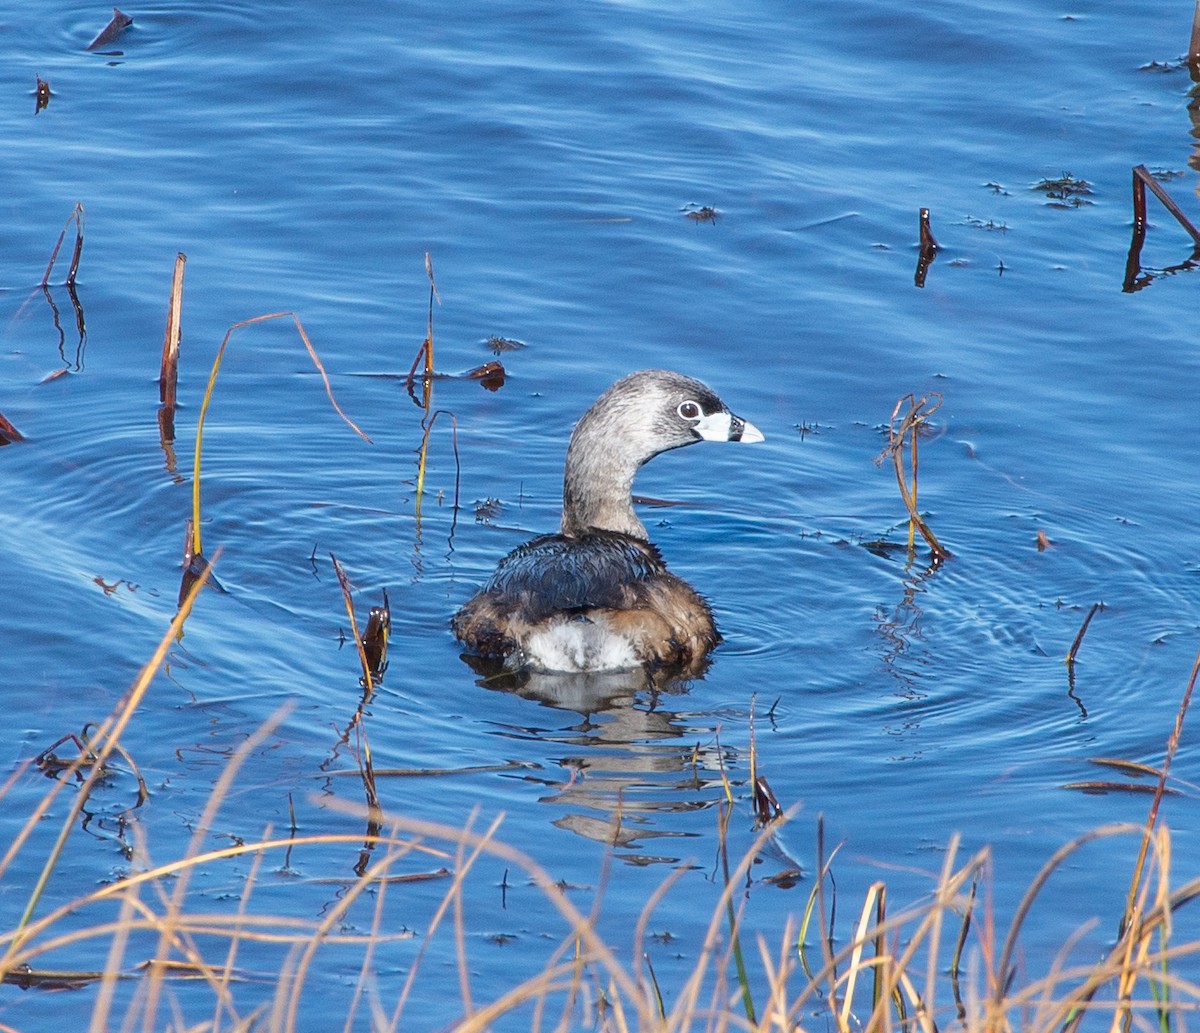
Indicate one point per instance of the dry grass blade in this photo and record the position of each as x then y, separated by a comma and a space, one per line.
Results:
1128, 767
197, 548
1004, 969
106, 742
1159, 792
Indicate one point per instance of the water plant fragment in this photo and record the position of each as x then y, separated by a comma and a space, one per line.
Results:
112, 31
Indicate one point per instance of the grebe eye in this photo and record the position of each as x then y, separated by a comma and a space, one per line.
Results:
689, 410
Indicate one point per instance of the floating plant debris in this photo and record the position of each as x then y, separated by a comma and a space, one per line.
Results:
487, 510
504, 344
375, 638
929, 248
700, 212
1066, 191
112, 31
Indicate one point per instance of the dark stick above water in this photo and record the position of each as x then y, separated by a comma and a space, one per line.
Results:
112, 31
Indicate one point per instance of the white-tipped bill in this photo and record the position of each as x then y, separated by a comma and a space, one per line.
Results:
724, 426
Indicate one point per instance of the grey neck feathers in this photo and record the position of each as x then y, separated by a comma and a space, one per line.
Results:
630, 423
597, 488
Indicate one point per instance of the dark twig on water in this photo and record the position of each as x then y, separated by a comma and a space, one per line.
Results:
1143, 178
112, 31
1194, 43
77, 216
168, 376
1074, 650
929, 248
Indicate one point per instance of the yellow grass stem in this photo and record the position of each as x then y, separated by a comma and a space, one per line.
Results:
424, 452
208, 391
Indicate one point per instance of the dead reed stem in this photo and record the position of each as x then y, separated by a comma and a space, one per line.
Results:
347, 596
76, 216
426, 350
168, 377
1074, 650
1142, 178
909, 429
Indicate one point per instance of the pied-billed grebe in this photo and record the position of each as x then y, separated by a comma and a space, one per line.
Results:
597, 596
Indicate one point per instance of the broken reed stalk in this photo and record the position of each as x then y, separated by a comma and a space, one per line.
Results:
344, 582
168, 377
1074, 650
77, 216
910, 429
1194, 42
208, 392
426, 350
